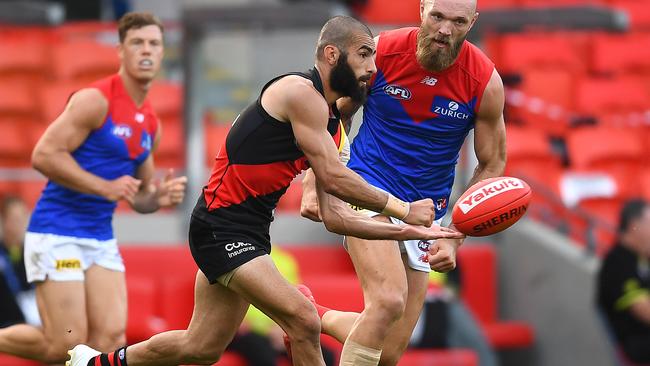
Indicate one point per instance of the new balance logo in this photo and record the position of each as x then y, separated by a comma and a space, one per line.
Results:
430, 81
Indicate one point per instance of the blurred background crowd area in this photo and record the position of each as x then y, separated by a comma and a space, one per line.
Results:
577, 81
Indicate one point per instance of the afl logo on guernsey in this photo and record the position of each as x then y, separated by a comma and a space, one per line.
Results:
397, 92
122, 131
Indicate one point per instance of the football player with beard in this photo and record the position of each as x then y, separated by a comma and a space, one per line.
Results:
431, 88
292, 125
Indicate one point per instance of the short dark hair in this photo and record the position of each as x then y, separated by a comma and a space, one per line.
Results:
631, 211
136, 20
338, 31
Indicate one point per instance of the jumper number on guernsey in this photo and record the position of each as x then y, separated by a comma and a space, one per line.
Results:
397, 92
490, 190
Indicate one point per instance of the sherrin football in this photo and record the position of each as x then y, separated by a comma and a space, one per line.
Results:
491, 205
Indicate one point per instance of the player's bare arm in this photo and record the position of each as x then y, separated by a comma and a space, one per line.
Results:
490, 132
339, 218
52, 155
152, 196
301, 104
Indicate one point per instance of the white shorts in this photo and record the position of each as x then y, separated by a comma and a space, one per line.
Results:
416, 250
66, 258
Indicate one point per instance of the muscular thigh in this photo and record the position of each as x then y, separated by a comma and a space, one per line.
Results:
401, 332
218, 312
378, 264
62, 306
107, 303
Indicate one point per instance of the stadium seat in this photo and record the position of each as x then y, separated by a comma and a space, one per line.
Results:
328, 289
451, 357
170, 152
215, 135
637, 11
600, 97
30, 191
321, 260
404, 12
231, 359
143, 322
15, 149
541, 51
548, 99
15, 361
479, 291
83, 61
53, 98
23, 58
17, 100
290, 201
612, 150
167, 99
619, 53
530, 155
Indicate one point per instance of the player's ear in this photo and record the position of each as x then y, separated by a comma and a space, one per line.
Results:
331, 54
120, 51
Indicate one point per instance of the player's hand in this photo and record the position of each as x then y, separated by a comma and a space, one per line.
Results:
122, 188
171, 191
421, 212
417, 232
442, 254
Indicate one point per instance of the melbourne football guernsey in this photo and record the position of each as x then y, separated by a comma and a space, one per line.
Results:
114, 149
415, 121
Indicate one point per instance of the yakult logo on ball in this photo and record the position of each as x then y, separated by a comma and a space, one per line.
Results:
490, 190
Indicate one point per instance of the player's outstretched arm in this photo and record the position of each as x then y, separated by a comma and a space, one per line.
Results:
339, 218
52, 155
308, 114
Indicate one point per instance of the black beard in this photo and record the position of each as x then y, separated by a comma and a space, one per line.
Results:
436, 59
344, 82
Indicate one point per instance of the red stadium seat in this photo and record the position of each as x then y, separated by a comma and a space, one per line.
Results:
545, 51
231, 359
529, 154
15, 149
170, 152
620, 53
637, 11
53, 98
30, 191
479, 291
24, 58
321, 260
451, 357
612, 150
142, 319
15, 361
599, 97
549, 98
328, 289
167, 100
404, 12
290, 201
215, 135
17, 100
84, 61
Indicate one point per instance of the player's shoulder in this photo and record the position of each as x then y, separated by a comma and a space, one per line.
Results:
396, 40
477, 56
297, 89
